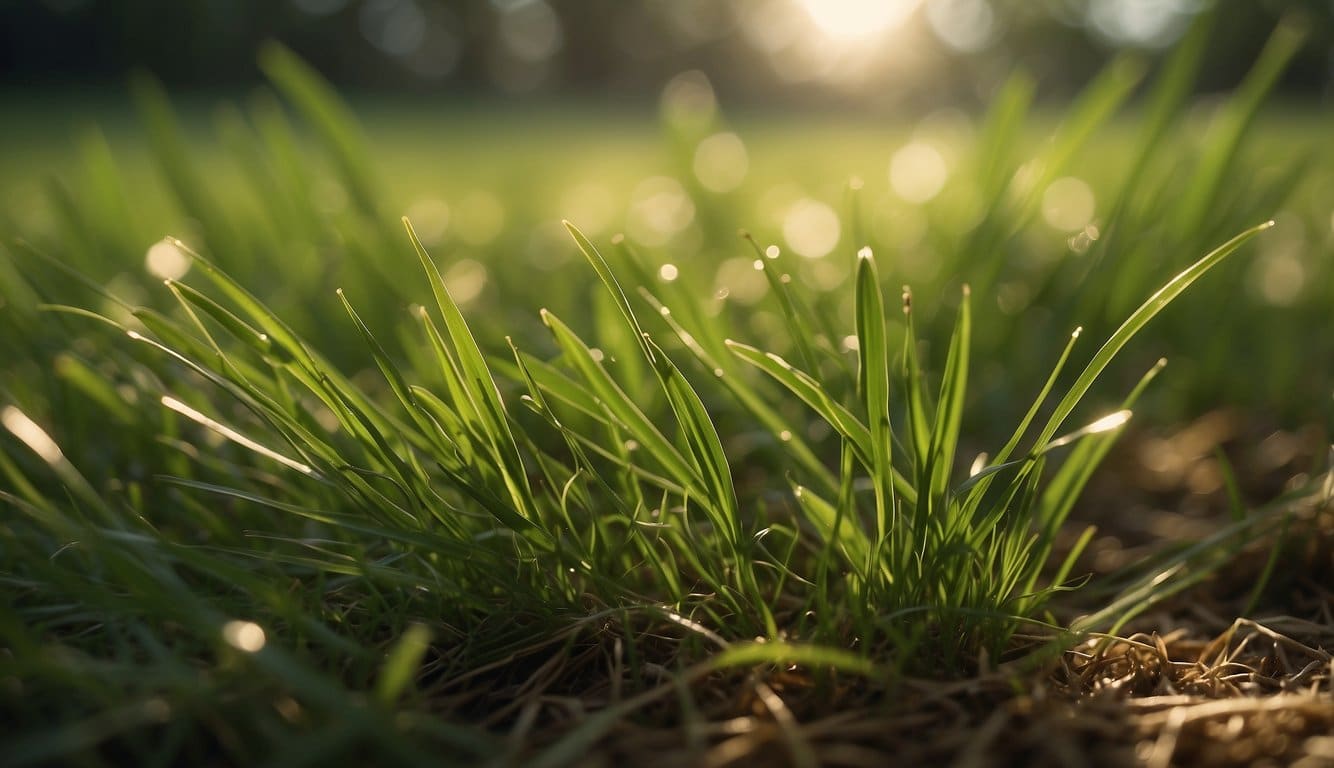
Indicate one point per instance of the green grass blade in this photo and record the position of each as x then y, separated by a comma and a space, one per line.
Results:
623, 409
751, 400
325, 111
401, 664
1136, 322
813, 394
919, 430
481, 388
608, 279
949, 412
873, 385
1220, 152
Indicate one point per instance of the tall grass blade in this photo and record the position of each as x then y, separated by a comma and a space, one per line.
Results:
1136, 322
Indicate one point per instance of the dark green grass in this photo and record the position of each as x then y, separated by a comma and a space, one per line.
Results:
250, 517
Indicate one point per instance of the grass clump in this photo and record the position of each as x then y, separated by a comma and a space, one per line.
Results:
209, 512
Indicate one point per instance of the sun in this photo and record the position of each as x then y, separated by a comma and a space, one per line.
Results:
857, 20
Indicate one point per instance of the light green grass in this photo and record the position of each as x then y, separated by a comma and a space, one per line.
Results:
427, 505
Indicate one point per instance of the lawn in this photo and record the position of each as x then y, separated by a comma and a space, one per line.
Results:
565, 435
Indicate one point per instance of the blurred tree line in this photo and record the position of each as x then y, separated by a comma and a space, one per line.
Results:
754, 51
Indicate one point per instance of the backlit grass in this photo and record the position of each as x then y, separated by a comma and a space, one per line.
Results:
253, 516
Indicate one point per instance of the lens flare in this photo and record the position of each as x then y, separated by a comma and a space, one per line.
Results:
855, 20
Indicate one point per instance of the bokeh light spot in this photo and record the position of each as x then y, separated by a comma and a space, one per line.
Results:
721, 162
688, 99
166, 261
397, 27
917, 172
811, 228
430, 218
966, 26
1280, 279
530, 30
1068, 204
851, 20
589, 205
480, 219
740, 281
465, 279
244, 636
659, 209
1145, 23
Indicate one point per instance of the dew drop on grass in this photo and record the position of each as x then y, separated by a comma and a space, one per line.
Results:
785, 436
850, 343
597, 354
773, 250
668, 273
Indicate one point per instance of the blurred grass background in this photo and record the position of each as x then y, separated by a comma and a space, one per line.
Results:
487, 187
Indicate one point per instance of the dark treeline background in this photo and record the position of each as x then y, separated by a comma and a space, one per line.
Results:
754, 51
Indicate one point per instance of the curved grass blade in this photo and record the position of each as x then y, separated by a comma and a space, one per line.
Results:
1136, 322
483, 396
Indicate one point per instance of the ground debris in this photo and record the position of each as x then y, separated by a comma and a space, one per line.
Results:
1259, 693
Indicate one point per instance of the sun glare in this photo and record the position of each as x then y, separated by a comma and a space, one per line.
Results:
855, 20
